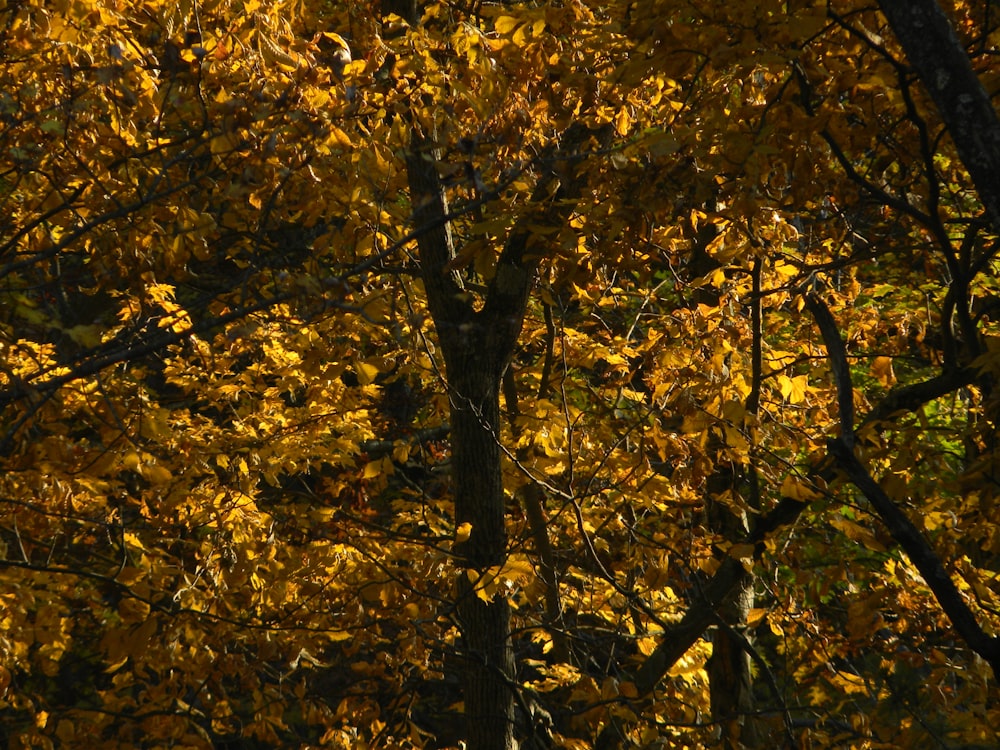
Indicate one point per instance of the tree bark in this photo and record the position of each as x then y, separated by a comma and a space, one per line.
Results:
729, 676
937, 56
479, 500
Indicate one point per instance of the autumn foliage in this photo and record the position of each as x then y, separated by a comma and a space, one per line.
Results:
618, 374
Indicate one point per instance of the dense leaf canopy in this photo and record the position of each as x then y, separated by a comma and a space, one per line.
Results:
725, 262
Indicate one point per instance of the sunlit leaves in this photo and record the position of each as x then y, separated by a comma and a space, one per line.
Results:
246, 529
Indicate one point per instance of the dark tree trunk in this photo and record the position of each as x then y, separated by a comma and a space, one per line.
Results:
729, 675
477, 347
938, 57
475, 359
488, 659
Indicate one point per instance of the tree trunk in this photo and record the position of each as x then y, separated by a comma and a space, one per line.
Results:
487, 656
477, 347
730, 681
729, 675
730, 678
474, 363
938, 57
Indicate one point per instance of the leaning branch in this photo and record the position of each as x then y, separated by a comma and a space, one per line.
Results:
921, 555
903, 531
837, 354
677, 639
554, 198
909, 397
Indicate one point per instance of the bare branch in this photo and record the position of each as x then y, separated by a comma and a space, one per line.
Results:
837, 352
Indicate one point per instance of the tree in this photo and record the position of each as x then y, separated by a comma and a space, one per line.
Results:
611, 374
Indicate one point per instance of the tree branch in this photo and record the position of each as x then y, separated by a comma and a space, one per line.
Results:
903, 531
910, 397
677, 639
837, 353
507, 294
921, 555
434, 238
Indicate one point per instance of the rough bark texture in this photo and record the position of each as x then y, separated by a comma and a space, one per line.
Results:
729, 674
486, 648
938, 57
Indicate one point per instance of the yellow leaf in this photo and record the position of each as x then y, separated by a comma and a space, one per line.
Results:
401, 452
882, 370
708, 565
850, 684
86, 335
322, 515
785, 269
118, 664
339, 137
856, 532
367, 373
628, 690
504, 24
936, 520
372, 469
742, 551
622, 122
517, 568
336, 39
755, 616
221, 144
156, 474
796, 489
793, 389
463, 532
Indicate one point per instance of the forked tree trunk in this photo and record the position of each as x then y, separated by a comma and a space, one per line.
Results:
476, 352
477, 347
